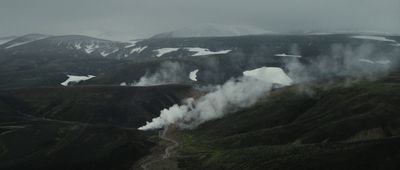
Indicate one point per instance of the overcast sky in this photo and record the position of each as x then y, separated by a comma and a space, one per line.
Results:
127, 19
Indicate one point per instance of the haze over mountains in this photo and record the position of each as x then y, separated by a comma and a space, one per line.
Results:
222, 95
199, 84
213, 30
59, 56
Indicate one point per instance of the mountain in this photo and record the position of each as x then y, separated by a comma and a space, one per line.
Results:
62, 46
218, 59
342, 114
4, 40
213, 30
50, 60
18, 41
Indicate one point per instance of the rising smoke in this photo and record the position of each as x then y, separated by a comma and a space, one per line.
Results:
227, 98
169, 72
354, 63
344, 61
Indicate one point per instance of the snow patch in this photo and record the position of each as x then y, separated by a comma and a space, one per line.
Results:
104, 54
270, 75
376, 38
162, 51
90, 48
138, 50
204, 51
133, 43
25, 42
3, 41
17, 44
321, 33
383, 62
288, 55
78, 46
76, 79
366, 61
193, 75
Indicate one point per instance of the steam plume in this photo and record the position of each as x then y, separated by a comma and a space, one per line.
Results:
235, 94
227, 98
169, 72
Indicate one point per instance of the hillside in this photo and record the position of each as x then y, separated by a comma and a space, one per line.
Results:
338, 127
85, 127
110, 105
324, 121
51, 144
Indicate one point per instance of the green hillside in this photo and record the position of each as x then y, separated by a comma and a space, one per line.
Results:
334, 127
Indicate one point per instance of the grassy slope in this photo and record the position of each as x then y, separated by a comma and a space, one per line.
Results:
115, 105
338, 128
49, 144
83, 127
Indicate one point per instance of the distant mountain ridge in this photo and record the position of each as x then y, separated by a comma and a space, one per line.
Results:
213, 30
44, 60
69, 45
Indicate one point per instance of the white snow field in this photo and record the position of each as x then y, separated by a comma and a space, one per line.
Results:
76, 79
270, 75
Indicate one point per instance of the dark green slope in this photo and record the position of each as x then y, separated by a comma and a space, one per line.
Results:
49, 144
82, 127
338, 127
110, 105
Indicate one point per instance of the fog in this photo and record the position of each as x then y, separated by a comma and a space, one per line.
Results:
130, 19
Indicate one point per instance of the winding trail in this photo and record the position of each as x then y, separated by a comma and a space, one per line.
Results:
163, 155
168, 149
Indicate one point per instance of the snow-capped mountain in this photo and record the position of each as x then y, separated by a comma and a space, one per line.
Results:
213, 30
67, 45
18, 41
84, 44
38, 60
4, 40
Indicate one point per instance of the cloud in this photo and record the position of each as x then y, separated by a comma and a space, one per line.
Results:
144, 18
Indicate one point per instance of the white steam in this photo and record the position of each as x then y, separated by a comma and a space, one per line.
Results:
352, 63
227, 98
343, 62
169, 72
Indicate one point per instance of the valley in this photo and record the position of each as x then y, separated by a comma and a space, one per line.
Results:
199, 85
268, 102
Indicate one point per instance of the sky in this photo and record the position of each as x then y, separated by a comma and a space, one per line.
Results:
134, 19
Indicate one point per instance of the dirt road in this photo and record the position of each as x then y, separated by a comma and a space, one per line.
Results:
163, 155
